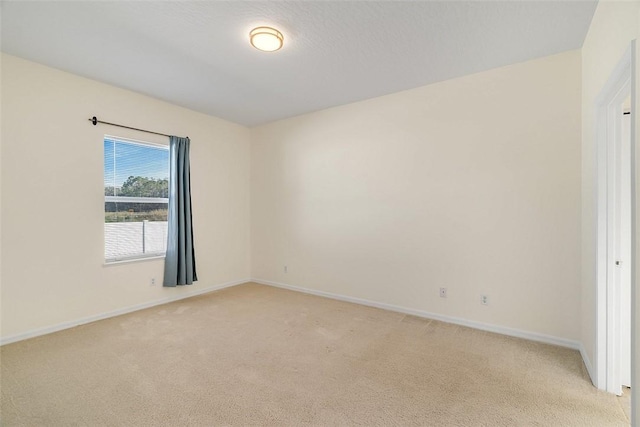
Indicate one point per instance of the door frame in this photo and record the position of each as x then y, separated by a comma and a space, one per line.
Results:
608, 110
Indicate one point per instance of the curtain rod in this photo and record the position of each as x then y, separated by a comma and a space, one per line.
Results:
95, 121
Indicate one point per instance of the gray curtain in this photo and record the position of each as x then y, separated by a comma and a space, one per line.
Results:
180, 261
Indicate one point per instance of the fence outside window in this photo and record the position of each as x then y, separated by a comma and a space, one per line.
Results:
126, 240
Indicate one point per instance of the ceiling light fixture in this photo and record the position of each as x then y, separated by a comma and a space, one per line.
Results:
266, 39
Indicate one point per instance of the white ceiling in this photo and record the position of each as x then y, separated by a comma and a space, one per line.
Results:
196, 54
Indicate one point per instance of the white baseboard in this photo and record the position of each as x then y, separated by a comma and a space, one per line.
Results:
587, 363
72, 323
533, 336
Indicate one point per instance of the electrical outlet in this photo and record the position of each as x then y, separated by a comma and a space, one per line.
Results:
286, 269
484, 299
153, 281
443, 292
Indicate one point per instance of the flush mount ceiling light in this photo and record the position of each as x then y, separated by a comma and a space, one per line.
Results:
266, 39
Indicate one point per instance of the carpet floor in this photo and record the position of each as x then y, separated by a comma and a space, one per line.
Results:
257, 355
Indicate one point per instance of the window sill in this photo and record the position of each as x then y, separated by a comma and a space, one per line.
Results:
128, 261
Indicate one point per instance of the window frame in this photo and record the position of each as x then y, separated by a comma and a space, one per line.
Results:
126, 199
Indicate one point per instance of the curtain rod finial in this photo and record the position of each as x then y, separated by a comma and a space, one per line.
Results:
94, 120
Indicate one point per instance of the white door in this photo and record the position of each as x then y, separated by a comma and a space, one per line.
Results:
624, 254
615, 210
619, 254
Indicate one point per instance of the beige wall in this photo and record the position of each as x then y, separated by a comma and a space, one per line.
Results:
613, 27
471, 184
52, 197
0, 191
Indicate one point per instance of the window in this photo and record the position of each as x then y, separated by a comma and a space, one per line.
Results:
136, 196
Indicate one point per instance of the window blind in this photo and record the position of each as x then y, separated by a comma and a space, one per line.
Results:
136, 195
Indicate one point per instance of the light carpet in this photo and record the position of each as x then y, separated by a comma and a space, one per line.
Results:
257, 355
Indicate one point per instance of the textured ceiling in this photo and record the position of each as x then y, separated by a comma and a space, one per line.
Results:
197, 54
